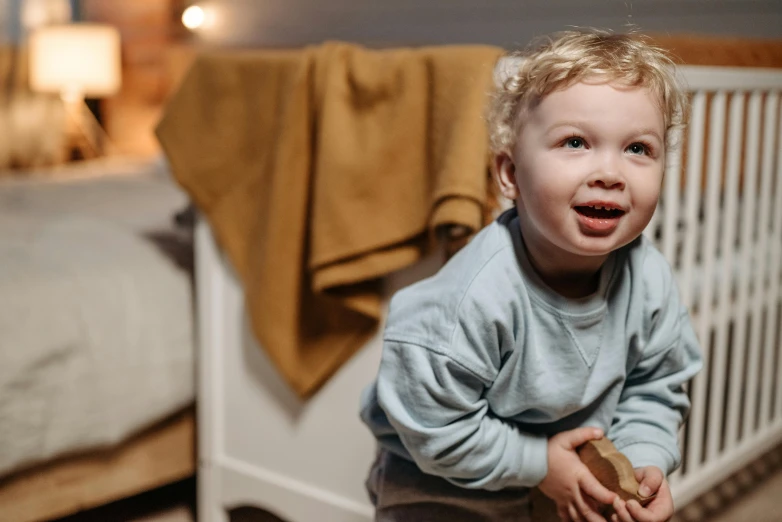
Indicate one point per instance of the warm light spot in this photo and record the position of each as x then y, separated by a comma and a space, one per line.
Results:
37, 13
193, 17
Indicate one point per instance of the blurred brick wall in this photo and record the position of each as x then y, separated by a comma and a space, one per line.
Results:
149, 30
157, 49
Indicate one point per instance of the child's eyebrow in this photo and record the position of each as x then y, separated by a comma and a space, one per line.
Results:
565, 124
646, 131
650, 132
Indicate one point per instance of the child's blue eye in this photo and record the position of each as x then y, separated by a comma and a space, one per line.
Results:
574, 143
637, 148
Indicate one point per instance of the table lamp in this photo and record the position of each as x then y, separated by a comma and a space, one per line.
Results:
76, 61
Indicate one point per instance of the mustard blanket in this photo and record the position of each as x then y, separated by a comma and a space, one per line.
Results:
321, 170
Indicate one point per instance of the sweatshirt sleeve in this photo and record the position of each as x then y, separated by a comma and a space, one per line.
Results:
435, 403
654, 403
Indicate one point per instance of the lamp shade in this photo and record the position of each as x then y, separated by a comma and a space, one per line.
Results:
75, 60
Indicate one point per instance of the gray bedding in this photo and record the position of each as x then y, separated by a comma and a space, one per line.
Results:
96, 325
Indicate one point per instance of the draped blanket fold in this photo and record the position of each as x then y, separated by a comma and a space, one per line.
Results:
321, 170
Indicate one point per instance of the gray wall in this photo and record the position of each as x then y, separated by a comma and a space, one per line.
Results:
9, 23
507, 23
11, 30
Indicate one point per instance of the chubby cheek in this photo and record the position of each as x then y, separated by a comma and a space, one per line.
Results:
547, 186
549, 204
645, 197
551, 181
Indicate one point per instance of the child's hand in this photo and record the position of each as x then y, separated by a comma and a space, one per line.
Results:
568, 478
651, 480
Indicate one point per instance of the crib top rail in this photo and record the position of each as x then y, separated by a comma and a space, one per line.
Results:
708, 78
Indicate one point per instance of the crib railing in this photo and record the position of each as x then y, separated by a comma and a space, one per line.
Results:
720, 224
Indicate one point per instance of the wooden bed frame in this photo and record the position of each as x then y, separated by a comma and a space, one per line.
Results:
160, 455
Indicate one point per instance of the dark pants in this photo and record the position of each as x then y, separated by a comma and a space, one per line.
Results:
403, 493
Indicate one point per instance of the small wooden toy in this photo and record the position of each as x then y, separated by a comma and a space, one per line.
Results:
611, 467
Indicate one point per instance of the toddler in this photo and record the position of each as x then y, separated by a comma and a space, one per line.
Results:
559, 322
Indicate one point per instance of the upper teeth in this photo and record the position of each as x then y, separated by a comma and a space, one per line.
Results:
602, 208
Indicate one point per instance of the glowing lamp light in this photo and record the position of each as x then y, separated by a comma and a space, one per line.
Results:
193, 17
75, 60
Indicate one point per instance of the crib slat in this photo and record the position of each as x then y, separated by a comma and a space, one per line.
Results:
776, 262
692, 195
752, 376
769, 241
651, 229
705, 316
727, 240
691, 225
738, 341
671, 193
690, 228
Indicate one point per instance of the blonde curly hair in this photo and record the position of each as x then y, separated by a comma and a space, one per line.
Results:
562, 59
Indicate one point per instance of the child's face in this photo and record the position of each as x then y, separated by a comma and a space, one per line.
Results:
586, 170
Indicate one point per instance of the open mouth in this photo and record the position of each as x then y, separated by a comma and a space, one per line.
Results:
599, 212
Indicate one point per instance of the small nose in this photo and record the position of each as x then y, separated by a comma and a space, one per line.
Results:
607, 174
607, 181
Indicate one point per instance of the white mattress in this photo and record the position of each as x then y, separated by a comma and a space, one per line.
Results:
96, 328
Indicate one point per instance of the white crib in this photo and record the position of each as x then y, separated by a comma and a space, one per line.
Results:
719, 223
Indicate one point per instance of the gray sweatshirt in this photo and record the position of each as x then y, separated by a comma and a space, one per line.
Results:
483, 362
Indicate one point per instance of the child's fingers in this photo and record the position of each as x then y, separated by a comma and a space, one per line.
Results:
593, 504
650, 478
592, 487
573, 513
572, 439
620, 511
586, 511
661, 508
638, 513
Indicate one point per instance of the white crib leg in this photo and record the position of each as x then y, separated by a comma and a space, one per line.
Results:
211, 290
210, 508
217, 513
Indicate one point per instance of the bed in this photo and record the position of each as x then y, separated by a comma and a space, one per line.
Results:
97, 350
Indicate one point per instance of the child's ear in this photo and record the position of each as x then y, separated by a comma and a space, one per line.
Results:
505, 170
